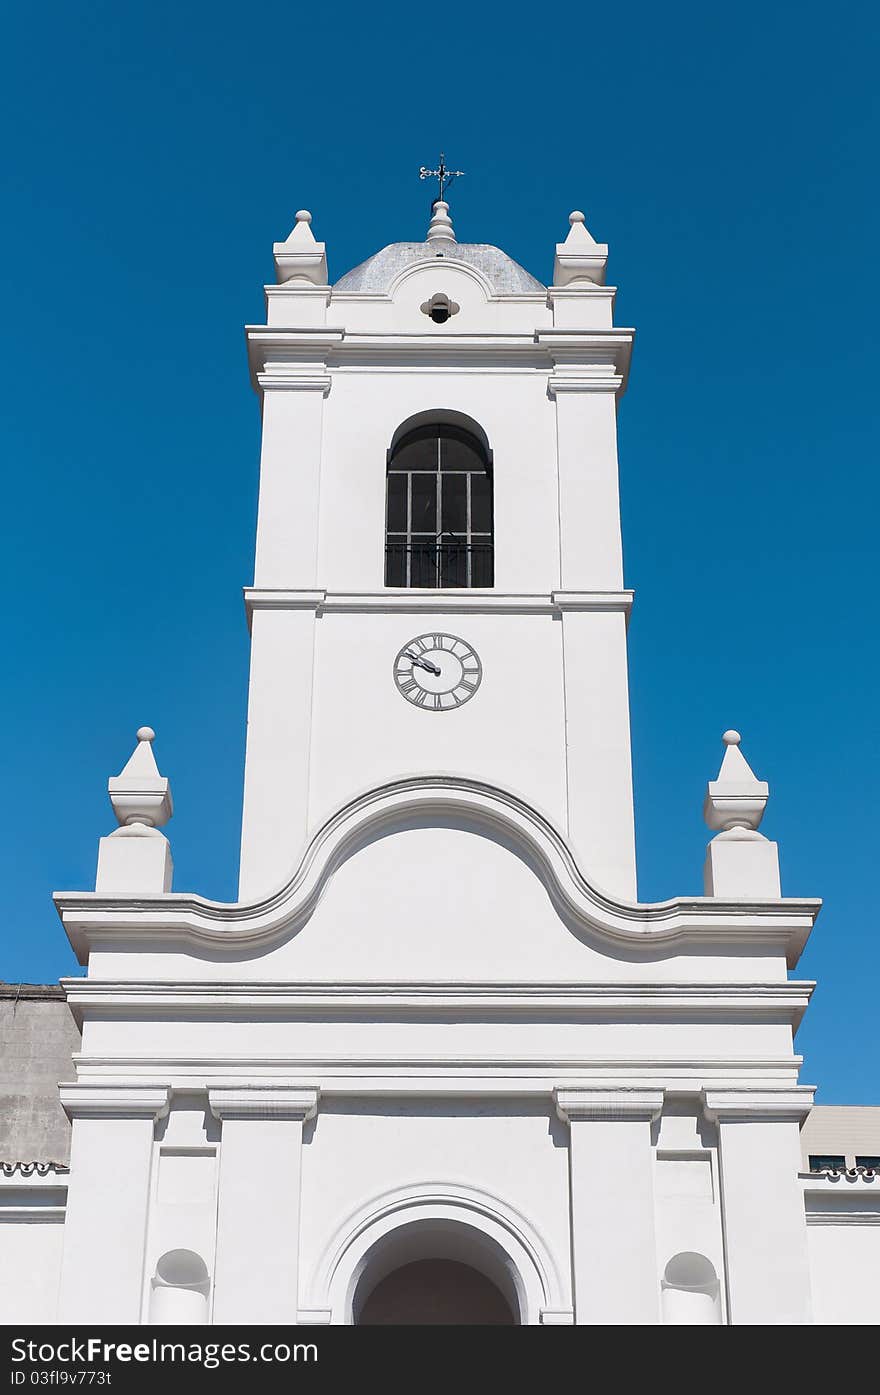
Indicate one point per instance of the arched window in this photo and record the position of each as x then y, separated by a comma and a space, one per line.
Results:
438, 519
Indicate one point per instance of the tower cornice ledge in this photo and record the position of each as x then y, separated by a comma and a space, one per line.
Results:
283, 357
681, 925
425, 602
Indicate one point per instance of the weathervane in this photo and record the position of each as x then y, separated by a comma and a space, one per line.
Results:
443, 176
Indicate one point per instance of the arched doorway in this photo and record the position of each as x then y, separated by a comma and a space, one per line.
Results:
436, 1292
435, 1273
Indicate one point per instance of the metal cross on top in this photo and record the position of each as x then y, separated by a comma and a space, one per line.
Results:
443, 176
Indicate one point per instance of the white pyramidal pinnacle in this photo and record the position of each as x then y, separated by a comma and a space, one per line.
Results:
580, 259
301, 258
135, 859
139, 794
440, 228
737, 799
301, 234
740, 861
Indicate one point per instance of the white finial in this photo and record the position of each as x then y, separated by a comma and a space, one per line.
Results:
440, 229
139, 794
301, 257
737, 799
740, 861
580, 259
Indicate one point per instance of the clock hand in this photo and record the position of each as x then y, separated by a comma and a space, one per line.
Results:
422, 663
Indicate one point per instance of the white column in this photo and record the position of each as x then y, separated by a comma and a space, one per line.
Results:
614, 1257
765, 1234
257, 1264
102, 1268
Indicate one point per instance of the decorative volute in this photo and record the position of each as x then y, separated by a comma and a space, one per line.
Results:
440, 228
135, 859
139, 794
740, 861
580, 259
301, 258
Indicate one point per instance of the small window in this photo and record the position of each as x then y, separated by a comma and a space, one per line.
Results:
439, 308
827, 1162
869, 1160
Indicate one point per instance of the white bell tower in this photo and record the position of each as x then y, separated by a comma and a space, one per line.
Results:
436, 1034
438, 589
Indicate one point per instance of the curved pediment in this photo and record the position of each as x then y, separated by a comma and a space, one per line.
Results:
193, 922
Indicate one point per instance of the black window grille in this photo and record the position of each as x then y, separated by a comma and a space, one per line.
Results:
827, 1162
439, 529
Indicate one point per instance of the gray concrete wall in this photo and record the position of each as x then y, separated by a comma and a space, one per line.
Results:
37, 1036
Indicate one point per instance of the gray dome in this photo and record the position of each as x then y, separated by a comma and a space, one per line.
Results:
376, 274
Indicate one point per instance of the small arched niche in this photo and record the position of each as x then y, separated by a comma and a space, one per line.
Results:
179, 1290
691, 1291
436, 1273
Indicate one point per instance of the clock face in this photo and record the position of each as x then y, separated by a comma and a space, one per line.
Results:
437, 672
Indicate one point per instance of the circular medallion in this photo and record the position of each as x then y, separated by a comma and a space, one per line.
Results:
437, 672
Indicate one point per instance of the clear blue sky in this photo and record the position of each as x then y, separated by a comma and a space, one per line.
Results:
726, 153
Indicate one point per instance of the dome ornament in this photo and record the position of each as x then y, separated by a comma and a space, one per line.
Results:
443, 176
440, 229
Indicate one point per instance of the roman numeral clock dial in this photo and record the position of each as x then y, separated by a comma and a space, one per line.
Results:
437, 672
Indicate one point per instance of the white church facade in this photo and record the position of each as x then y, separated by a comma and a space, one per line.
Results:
438, 1063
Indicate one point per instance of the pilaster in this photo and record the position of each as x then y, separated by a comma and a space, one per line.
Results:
257, 1266
765, 1236
612, 1204
102, 1268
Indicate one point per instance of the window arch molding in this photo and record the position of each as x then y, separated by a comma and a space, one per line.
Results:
443, 416
439, 504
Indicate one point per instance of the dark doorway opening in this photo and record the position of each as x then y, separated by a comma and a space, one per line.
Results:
436, 1292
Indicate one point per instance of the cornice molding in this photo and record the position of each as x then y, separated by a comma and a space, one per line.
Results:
115, 1100
505, 1074
592, 1104
759, 1104
562, 383
426, 602
500, 1000
236, 1101
279, 355
289, 381
91, 918
843, 1217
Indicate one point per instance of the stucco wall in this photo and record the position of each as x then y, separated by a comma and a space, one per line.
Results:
37, 1036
